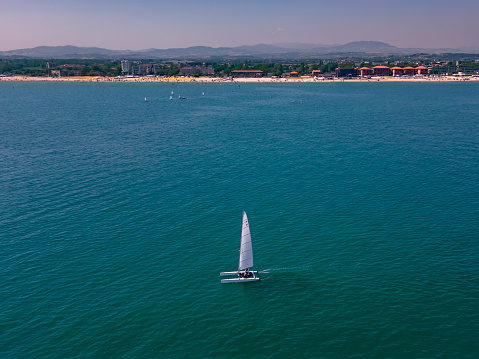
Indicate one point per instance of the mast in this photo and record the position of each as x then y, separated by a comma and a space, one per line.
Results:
246, 249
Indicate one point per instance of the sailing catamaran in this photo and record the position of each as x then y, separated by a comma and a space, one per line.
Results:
245, 260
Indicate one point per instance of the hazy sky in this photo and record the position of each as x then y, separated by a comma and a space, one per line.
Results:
142, 24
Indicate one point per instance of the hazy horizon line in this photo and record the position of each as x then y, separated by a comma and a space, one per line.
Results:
278, 44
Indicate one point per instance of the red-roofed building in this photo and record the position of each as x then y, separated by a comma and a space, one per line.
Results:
397, 71
365, 71
422, 70
410, 71
381, 71
316, 73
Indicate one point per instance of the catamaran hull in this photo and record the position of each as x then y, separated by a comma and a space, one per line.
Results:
240, 280
235, 273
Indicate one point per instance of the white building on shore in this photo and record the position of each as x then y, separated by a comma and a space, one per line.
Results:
125, 66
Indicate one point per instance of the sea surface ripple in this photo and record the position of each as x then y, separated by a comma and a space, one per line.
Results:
118, 214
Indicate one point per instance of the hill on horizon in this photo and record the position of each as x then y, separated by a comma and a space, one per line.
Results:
281, 50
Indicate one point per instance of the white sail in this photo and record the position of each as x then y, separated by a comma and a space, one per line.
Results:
246, 250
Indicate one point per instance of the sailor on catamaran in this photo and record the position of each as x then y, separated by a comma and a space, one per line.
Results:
245, 274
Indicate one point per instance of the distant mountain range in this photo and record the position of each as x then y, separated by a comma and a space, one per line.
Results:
282, 50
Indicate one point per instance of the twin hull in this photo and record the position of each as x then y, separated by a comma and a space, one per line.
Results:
239, 279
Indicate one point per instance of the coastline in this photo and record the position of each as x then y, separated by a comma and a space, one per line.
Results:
240, 80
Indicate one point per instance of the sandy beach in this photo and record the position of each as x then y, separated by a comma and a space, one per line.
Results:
304, 79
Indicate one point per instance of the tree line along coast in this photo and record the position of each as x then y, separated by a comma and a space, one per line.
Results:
236, 68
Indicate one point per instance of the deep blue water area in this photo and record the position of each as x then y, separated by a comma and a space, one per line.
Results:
117, 215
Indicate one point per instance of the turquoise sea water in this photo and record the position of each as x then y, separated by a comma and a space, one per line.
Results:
117, 216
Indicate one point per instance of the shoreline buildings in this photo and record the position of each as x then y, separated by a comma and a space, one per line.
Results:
392, 71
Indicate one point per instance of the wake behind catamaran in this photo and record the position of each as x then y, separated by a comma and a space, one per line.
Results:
245, 260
